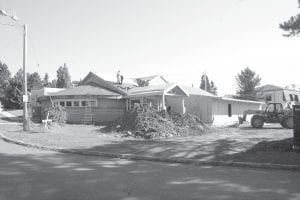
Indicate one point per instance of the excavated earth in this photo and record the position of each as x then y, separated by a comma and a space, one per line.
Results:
146, 122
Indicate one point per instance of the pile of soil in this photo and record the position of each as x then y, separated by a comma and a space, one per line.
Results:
146, 122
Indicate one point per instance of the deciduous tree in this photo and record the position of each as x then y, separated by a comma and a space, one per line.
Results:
247, 80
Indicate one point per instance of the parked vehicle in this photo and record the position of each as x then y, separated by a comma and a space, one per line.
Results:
273, 113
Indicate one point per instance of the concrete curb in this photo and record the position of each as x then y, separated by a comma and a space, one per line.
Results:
156, 159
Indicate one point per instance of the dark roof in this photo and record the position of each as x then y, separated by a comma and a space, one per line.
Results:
85, 90
94, 80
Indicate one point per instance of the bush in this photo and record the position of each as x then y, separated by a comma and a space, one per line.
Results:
58, 114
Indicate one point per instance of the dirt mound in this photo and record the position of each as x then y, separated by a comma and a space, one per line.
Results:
146, 122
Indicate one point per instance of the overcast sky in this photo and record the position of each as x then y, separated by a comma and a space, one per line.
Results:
177, 38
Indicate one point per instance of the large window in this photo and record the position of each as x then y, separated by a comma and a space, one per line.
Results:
75, 103
291, 97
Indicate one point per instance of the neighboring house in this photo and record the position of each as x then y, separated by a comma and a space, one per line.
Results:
106, 101
272, 93
151, 80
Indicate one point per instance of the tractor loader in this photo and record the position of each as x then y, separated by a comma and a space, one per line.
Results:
273, 113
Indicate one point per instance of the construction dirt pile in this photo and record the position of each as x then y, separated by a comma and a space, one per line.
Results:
146, 122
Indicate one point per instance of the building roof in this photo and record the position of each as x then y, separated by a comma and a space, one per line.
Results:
197, 91
95, 80
155, 90
240, 100
85, 90
149, 78
268, 87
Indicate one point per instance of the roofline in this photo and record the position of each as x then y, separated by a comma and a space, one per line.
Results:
240, 100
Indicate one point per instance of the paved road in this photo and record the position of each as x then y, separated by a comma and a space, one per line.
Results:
33, 174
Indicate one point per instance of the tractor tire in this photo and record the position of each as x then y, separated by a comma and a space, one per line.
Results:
257, 121
288, 122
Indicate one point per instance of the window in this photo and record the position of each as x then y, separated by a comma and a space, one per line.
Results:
291, 97
134, 102
84, 103
271, 108
62, 103
76, 103
69, 103
296, 98
268, 98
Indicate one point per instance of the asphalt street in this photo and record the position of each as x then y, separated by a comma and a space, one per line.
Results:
36, 175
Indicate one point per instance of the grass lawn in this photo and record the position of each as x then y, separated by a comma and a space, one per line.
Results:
271, 144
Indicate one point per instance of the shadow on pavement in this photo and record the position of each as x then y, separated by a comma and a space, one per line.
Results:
65, 176
276, 151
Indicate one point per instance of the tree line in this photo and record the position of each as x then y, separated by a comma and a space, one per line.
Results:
246, 82
11, 86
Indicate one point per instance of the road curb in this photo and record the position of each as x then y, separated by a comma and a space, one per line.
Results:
155, 159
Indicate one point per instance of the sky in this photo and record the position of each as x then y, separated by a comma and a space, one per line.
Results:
180, 39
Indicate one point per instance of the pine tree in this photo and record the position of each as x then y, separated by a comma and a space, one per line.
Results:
292, 26
46, 82
63, 77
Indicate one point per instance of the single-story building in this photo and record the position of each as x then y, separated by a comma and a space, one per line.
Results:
96, 100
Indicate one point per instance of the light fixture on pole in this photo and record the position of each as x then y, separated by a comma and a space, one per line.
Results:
25, 94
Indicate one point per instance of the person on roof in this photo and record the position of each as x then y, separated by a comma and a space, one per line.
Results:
119, 77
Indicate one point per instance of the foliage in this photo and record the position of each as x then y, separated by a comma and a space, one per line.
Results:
213, 88
58, 114
210, 86
247, 80
63, 77
45, 81
53, 83
13, 92
292, 26
34, 81
4, 78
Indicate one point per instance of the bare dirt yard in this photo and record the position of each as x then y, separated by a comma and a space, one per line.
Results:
271, 144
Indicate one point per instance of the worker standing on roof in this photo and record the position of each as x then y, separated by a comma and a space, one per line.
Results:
122, 77
119, 77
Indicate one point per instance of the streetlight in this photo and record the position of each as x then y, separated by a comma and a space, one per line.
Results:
25, 96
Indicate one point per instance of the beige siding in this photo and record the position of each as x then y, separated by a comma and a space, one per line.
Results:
220, 107
176, 104
107, 110
201, 106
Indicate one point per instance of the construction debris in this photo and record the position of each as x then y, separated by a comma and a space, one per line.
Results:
145, 122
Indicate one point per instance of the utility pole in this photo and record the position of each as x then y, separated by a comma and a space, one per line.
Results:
25, 96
